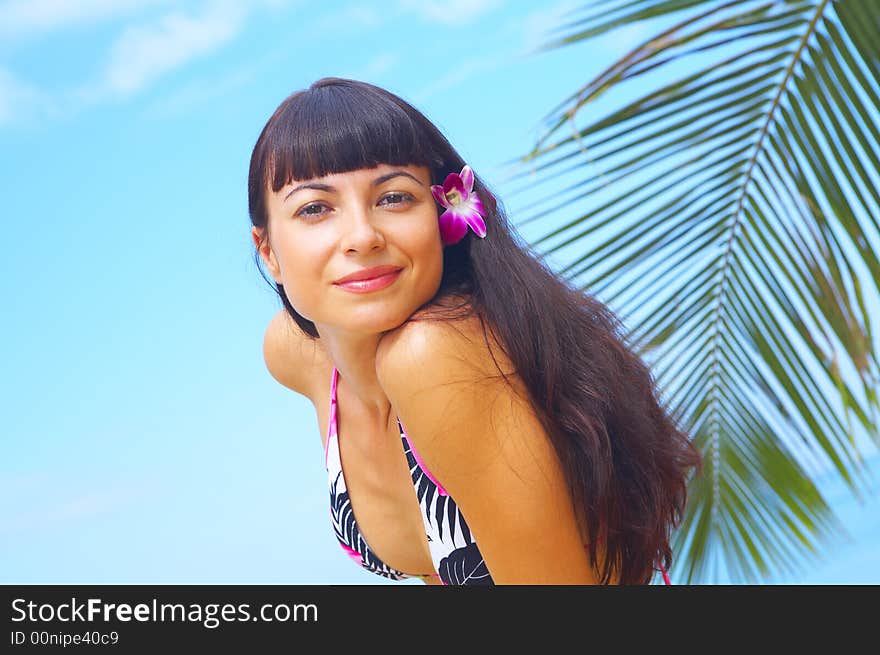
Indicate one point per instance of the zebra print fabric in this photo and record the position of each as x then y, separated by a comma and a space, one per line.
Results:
453, 549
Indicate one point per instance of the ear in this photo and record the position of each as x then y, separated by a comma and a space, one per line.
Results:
261, 241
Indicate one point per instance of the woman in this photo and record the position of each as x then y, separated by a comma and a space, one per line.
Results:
493, 426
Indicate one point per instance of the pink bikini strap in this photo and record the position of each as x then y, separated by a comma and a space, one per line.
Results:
665, 575
331, 428
333, 385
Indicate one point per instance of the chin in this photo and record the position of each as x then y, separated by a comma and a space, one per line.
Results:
376, 320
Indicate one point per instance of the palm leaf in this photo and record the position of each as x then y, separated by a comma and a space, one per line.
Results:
727, 209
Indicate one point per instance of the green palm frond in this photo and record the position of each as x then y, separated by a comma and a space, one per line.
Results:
728, 210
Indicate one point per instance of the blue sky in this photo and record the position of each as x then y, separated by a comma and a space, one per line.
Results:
143, 440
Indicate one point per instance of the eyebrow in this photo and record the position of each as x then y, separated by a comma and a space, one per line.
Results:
326, 187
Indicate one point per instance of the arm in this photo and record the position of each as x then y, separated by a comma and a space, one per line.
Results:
487, 447
289, 354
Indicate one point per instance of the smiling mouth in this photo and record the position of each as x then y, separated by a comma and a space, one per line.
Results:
370, 284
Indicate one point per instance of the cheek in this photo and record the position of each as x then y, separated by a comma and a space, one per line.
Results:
430, 258
298, 291
428, 231
302, 272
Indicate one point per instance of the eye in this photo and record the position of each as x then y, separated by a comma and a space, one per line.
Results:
397, 199
304, 211
405, 198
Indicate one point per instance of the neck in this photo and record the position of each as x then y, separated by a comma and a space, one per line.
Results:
354, 356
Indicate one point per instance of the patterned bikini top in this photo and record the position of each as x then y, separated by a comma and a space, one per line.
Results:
454, 551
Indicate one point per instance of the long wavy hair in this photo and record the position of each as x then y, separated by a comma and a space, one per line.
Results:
625, 461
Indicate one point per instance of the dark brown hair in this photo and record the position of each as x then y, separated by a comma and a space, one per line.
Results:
626, 463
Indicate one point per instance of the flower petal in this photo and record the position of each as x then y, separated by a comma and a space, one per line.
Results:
473, 218
453, 181
470, 217
452, 227
474, 201
440, 195
467, 178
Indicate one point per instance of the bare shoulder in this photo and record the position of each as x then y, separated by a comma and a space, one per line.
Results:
458, 340
486, 444
293, 358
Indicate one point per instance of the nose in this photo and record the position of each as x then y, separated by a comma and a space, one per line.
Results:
360, 232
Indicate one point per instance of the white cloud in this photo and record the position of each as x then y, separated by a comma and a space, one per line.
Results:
143, 53
20, 19
27, 18
20, 101
200, 91
450, 12
145, 49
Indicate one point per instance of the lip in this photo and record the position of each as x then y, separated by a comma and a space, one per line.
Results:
375, 283
368, 273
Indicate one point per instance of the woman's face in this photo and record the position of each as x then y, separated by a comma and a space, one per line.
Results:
326, 228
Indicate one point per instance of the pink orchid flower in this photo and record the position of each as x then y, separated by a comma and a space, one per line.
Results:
463, 206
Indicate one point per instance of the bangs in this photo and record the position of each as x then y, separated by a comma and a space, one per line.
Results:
335, 129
